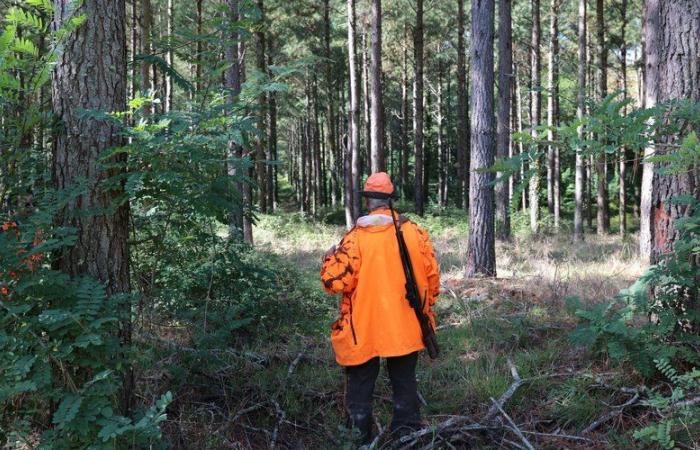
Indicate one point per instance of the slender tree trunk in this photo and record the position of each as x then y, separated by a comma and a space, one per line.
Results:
354, 120
200, 48
442, 151
535, 113
133, 84
481, 254
418, 106
603, 216
330, 93
404, 118
366, 163
146, 29
378, 160
589, 159
169, 55
260, 144
90, 74
521, 149
462, 112
622, 162
553, 113
233, 85
271, 169
505, 66
580, 112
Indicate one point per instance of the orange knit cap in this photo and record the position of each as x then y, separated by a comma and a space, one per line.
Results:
380, 183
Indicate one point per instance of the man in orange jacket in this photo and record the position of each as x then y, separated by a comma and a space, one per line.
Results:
376, 321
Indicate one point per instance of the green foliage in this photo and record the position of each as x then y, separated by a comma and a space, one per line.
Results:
60, 350
653, 324
680, 411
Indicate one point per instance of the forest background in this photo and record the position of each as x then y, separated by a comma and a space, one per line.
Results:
170, 173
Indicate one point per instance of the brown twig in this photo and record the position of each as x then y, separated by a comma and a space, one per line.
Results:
515, 428
610, 415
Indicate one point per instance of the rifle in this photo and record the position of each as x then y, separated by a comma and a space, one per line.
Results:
412, 294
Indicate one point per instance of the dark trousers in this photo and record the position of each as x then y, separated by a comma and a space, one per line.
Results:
360, 388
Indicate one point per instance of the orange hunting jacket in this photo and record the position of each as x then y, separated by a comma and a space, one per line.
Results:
375, 317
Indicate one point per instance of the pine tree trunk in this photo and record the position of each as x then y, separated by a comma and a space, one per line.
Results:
260, 144
442, 153
553, 112
405, 112
580, 112
481, 254
146, 28
271, 170
354, 119
521, 148
603, 216
330, 93
233, 85
418, 107
200, 48
535, 113
462, 113
133, 83
90, 74
365, 149
505, 66
169, 57
378, 160
622, 162
672, 36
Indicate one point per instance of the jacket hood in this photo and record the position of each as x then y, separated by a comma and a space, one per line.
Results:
373, 220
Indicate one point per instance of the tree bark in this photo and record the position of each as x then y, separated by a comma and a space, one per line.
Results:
200, 48
462, 113
442, 152
330, 93
233, 85
271, 176
260, 144
365, 149
378, 160
580, 112
622, 162
481, 254
169, 55
505, 67
353, 120
603, 215
553, 113
146, 28
535, 113
405, 112
90, 74
672, 37
418, 107
521, 149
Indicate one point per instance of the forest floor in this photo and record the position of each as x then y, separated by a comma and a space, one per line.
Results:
501, 336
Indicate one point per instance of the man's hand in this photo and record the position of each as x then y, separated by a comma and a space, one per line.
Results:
328, 253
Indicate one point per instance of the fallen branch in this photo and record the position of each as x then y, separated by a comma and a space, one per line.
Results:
610, 415
280, 418
685, 403
453, 422
493, 410
515, 428
568, 437
293, 365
